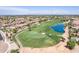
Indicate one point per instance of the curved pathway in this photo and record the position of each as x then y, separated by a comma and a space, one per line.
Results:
4, 45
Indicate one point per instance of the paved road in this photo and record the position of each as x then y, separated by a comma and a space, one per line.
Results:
4, 41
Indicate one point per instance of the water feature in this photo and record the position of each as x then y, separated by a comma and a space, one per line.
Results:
58, 28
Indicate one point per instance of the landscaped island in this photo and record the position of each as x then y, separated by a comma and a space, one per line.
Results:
41, 35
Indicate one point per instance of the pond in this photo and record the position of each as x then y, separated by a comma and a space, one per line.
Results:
58, 28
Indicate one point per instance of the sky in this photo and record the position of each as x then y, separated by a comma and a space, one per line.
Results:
39, 10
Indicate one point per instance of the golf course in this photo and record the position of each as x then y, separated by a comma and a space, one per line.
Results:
41, 35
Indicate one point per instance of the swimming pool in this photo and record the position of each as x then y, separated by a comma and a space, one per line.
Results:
58, 28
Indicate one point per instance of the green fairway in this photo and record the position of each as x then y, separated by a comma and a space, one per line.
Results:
40, 35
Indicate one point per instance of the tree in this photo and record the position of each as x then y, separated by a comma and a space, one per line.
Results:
71, 44
14, 30
45, 19
29, 26
15, 51
30, 19
40, 21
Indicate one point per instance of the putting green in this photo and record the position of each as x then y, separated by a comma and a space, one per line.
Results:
40, 35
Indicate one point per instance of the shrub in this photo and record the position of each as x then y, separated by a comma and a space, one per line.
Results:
14, 51
71, 44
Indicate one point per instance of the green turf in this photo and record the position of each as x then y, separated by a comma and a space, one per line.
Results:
36, 39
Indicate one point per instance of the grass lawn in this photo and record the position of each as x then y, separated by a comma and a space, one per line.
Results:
40, 36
